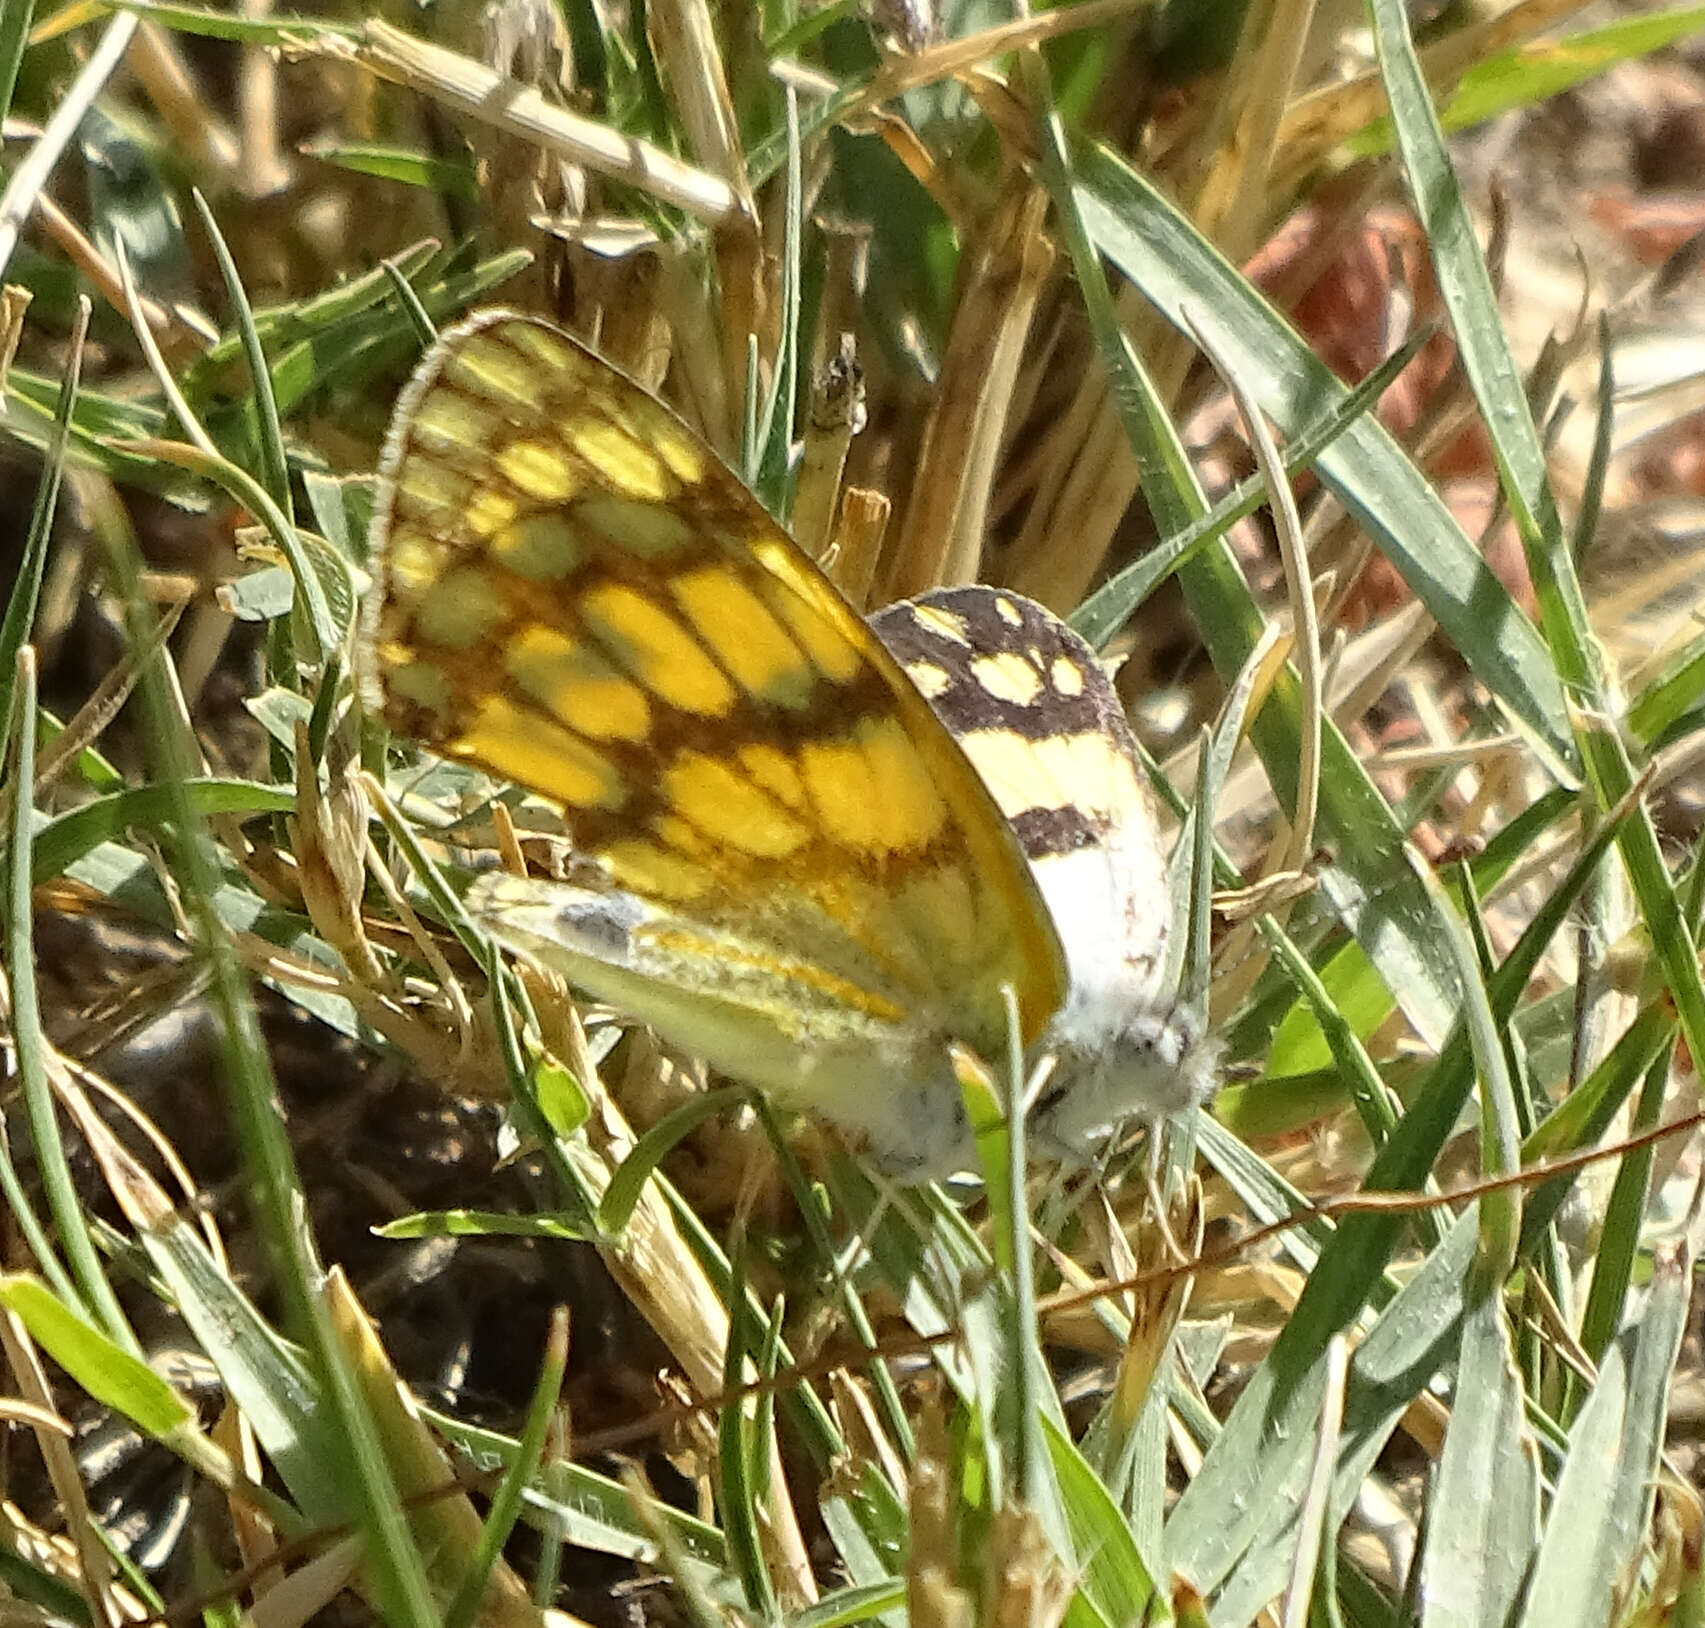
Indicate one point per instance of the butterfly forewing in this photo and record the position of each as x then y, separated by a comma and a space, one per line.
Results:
575, 594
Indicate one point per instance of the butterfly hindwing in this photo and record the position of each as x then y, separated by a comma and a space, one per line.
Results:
1034, 710
1036, 713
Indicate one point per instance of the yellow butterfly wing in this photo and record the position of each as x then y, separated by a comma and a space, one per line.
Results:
799, 874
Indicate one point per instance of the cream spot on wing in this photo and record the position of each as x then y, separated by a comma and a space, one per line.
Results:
1092, 767
1067, 676
1088, 770
1007, 677
1010, 765
930, 678
1009, 612
944, 623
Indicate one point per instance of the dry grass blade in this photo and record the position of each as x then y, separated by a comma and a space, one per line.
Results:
482, 93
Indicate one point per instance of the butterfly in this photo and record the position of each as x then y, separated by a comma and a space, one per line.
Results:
814, 851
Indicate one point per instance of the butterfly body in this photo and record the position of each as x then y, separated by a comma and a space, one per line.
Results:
791, 868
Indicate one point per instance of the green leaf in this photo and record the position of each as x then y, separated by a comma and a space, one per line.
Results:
621, 1197
403, 164
589, 1510
260, 595
483, 1224
112, 1376
1118, 1581
278, 32
1234, 1528
1526, 75
62, 841
1361, 999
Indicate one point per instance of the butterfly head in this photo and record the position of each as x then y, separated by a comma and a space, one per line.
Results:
1153, 1063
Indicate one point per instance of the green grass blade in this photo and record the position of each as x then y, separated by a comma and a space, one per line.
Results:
1604, 443
401, 164
1484, 1507
1466, 289
68, 837
26, 586
738, 1465
14, 36
1107, 609
83, 1286
1465, 286
1181, 274
1605, 1487
1115, 1576
1377, 894
1528, 74
506, 1500
591, 1511
278, 33
353, 1453
1355, 1067
1234, 1526
1169, 484
275, 471
113, 1375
